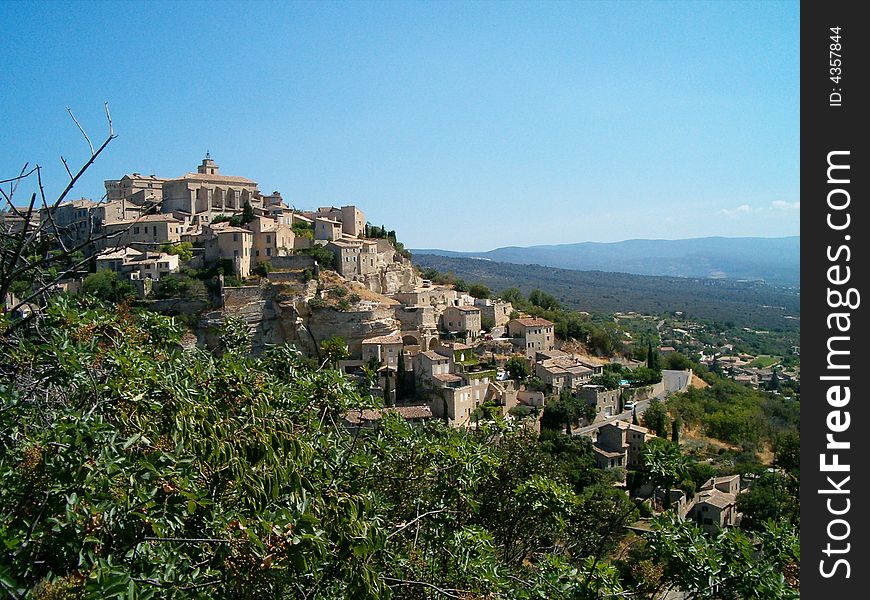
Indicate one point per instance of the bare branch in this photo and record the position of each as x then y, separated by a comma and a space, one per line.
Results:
442, 591
66, 166
401, 528
109, 119
90, 144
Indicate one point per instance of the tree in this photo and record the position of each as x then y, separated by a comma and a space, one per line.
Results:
479, 290
675, 431
656, 417
106, 285
665, 465
678, 362
518, 368
247, 213
35, 251
652, 357
333, 350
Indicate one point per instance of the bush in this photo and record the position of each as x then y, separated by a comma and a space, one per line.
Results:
107, 285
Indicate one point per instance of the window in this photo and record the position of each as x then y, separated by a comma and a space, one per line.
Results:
257, 253
235, 253
268, 239
268, 252
135, 230
235, 237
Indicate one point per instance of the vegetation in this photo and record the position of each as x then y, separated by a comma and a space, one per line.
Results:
184, 250
106, 285
131, 467
730, 303
324, 257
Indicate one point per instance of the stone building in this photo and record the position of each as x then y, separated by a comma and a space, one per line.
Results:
206, 193
532, 335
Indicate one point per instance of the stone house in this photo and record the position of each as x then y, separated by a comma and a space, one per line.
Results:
270, 238
385, 349
531, 335
327, 229
496, 311
562, 373
136, 188
148, 229
619, 436
606, 402
461, 319
352, 219
353, 257
138, 265
715, 505
79, 220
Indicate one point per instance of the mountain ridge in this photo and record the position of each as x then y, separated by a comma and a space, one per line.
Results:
775, 260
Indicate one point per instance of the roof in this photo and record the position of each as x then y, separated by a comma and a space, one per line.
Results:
433, 356
716, 498
626, 426
533, 322
206, 177
328, 220
392, 338
447, 377
454, 346
343, 243
607, 453
231, 229
119, 253
465, 308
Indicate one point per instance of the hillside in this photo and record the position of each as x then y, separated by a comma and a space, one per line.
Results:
749, 304
774, 260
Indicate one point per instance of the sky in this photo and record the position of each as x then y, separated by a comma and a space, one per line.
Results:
461, 125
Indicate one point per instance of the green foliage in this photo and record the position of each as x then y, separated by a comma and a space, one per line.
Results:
247, 213
677, 362
656, 418
184, 250
566, 412
642, 376
130, 467
478, 290
235, 336
107, 285
324, 257
609, 380
333, 350
518, 368
735, 413
261, 269
179, 285
728, 565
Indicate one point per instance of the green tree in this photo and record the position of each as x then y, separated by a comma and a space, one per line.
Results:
333, 350
665, 465
247, 213
653, 360
478, 290
107, 285
656, 417
518, 368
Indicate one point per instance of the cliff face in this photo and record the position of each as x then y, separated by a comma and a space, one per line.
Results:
392, 278
276, 314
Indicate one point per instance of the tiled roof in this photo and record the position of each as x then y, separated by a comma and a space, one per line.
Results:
533, 322
393, 338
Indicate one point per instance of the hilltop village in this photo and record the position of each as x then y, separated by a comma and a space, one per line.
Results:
218, 253
290, 322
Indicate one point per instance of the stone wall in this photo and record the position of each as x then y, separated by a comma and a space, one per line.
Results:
292, 262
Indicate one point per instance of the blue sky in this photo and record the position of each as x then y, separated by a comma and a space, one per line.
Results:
464, 126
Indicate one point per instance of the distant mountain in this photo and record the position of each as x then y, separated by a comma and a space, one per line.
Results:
774, 260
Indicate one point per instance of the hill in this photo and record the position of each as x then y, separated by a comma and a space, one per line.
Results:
773, 260
746, 303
